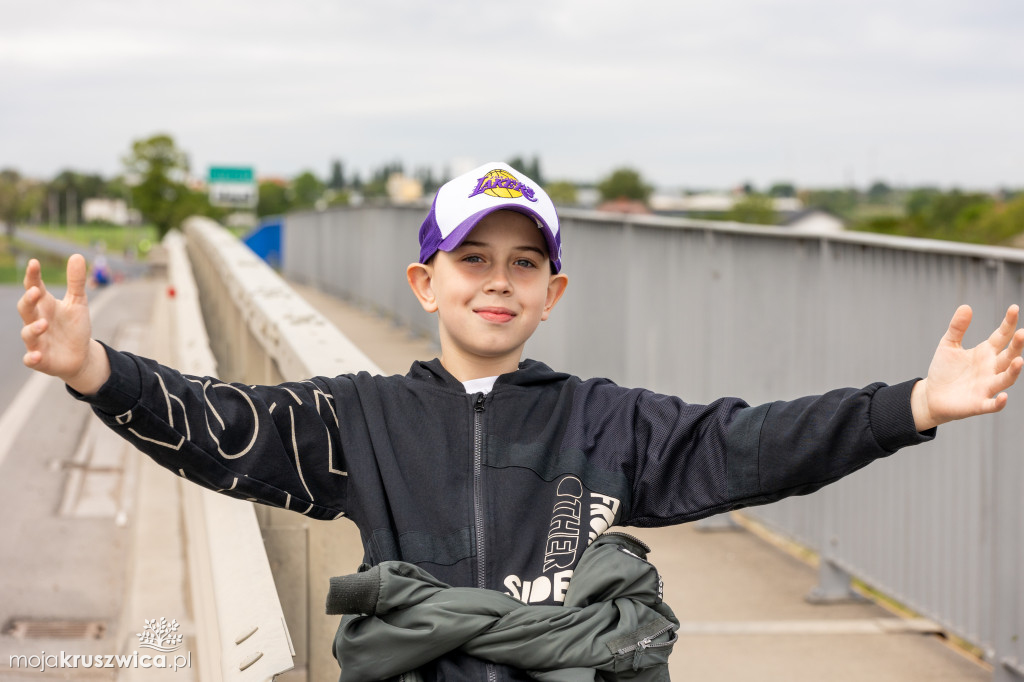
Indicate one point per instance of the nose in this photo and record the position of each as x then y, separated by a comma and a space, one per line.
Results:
499, 281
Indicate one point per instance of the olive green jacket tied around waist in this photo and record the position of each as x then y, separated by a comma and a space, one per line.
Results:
613, 625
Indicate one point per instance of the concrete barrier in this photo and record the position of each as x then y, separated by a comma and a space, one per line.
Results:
240, 627
261, 331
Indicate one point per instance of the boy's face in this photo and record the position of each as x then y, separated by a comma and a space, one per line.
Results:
490, 293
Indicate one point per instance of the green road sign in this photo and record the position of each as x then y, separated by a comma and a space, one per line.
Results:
233, 187
230, 174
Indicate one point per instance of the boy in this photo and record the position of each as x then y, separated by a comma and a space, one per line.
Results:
487, 471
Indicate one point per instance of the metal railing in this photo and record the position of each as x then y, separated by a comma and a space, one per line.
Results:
702, 309
261, 331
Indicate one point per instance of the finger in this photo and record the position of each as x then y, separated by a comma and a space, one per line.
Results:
27, 305
1001, 336
76, 279
34, 275
1004, 380
30, 333
32, 358
1012, 351
958, 325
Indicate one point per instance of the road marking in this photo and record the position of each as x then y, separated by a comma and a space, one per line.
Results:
32, 391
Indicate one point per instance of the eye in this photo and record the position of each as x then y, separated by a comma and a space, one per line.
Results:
525, 263
472, 258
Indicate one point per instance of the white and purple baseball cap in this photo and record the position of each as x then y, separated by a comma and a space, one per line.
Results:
463, 202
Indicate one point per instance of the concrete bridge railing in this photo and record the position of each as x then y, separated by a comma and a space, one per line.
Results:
261, 331
240, 627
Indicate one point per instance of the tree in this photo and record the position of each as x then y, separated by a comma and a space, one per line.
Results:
337, 181
624, 183
562, 192
842, 202
755, 209
160, 169
782, 189
20, 199
273, 199
530, 168
377, 186
1004, 222
945, 215
307, 189
879, 192
75, 188
425, 174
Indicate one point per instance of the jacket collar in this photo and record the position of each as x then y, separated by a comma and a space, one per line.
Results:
530, 373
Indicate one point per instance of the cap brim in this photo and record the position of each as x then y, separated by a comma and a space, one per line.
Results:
462, 230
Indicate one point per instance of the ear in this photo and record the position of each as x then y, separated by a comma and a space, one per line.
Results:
556, 287
420, 278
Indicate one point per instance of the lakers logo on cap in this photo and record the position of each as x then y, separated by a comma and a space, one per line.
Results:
502, 184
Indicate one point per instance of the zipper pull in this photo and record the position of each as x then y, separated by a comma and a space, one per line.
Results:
479, 406
638, 653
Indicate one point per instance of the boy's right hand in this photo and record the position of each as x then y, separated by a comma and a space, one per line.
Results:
58, 334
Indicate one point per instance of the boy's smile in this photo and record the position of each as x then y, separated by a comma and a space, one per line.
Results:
490, 293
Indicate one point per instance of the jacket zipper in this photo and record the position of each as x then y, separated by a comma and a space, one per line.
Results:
631, 537
478, 516
640, 647
481, 554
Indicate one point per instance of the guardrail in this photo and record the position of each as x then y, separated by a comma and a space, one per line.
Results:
240, 626
703, 309
261, 331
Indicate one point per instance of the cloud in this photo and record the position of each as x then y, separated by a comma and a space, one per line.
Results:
691, 92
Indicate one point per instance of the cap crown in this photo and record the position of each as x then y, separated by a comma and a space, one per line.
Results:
464, 201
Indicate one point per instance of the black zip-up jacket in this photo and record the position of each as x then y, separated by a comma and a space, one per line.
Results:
500, 491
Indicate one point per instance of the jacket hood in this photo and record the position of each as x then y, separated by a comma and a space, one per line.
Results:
530, 373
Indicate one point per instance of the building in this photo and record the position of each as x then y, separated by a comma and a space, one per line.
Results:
814, 220
114, 211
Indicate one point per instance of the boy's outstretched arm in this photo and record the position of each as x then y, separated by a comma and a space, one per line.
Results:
58, 334
963, 382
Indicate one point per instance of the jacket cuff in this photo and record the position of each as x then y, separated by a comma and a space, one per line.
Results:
354, 594
123, 388
892, 420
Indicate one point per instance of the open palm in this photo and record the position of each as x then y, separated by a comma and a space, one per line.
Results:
962, 381
56, 332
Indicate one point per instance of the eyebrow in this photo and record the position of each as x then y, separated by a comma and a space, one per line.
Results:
481, 245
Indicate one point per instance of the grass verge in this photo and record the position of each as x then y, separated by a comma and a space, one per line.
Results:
14, 256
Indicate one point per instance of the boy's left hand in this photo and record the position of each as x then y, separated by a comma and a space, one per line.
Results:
963, 382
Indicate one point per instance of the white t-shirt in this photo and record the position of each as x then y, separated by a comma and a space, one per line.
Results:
483, 385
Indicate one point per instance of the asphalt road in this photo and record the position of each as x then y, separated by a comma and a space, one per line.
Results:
56, 566
13, 374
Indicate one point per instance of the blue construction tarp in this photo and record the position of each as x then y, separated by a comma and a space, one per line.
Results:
265, 240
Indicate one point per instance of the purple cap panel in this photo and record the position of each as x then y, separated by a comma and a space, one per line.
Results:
431, 242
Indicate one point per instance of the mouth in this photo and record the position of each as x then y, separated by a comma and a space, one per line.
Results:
495, 314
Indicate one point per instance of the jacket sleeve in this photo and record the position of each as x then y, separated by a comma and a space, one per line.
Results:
278, 445
685, 462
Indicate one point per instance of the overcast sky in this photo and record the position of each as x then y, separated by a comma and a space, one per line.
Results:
706, 94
